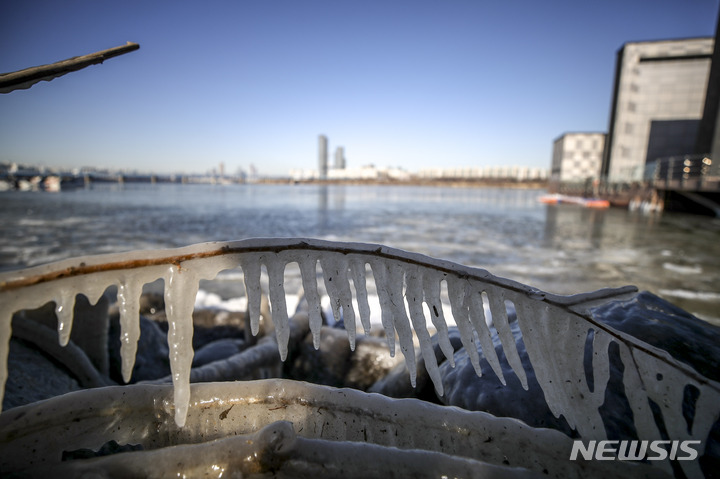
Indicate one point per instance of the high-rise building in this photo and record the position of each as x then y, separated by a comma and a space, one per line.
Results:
339, 158
322, 156
577, 156
657, 104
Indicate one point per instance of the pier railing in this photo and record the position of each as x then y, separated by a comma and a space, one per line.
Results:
686, 172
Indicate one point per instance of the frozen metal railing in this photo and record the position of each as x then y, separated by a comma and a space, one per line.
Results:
554, 328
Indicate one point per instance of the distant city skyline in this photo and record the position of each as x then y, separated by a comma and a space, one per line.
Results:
403, 84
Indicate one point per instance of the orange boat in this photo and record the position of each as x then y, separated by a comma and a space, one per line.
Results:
557, 199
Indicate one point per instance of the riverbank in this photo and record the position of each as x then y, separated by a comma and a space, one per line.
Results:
445, 183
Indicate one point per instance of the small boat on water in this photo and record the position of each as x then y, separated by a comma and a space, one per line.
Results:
557, 199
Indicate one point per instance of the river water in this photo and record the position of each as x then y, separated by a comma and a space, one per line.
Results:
561, 249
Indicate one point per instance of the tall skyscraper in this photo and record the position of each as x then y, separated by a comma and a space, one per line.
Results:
322, 156
340, 158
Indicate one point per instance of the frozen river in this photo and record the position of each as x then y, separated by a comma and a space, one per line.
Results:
560, 249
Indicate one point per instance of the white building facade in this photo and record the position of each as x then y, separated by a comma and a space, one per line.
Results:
514, 173
577, 156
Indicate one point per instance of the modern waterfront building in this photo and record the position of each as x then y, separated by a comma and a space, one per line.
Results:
339, 158
708, 141
657, 104
322, 156
577, 156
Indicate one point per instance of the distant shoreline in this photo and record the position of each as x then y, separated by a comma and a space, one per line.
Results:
452, 183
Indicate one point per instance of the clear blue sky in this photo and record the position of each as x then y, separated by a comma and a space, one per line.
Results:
397, 83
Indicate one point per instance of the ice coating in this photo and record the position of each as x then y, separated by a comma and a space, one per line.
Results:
404, 281
351, 421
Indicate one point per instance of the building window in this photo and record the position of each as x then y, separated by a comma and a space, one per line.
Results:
632, 106
629, 128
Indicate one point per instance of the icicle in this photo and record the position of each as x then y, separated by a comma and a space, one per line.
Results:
64, 306
276, 279
400, 319
578, 402
457, 293
328, 267
561, 371
357, 270
431, 288
706, 415
181, 287
380, 274
496, 298
250, 265
308, 272
335, 272
128, 301
706, 412
92, 286
534, 320
637, 397
476, 315
600, 365
665, 385
414, 295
